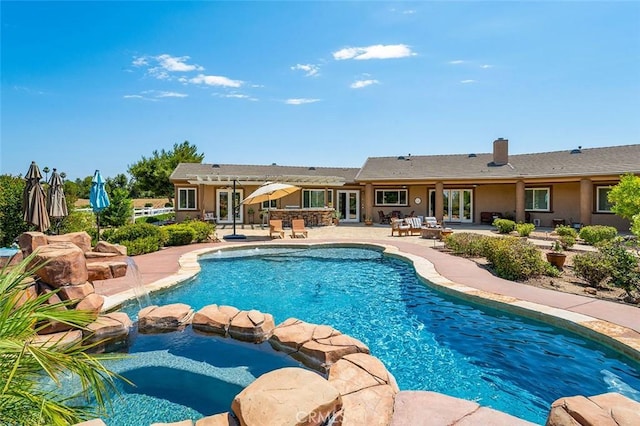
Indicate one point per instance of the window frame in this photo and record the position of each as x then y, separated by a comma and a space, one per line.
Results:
264, 206
186, 190
547, 189
598, 188
309, 198
383, 198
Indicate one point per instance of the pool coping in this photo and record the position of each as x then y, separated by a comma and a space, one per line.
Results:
622, 339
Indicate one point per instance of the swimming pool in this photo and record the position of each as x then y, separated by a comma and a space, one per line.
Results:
185, 375
427, 340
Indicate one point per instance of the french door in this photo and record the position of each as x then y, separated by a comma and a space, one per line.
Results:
457, 205
224, 203
349, 206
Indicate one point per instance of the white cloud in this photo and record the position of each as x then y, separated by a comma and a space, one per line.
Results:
177, 63
300, 101
378, 51
485, 66
468, 81
171, 95
408, 12
215, 80
363, 83
309, 69
139, 62
457, 62
237, 96
133, 97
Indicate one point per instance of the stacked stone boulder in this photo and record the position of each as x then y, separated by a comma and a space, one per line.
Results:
63, 269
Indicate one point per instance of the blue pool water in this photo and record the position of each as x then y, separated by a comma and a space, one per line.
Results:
427, 340
185, 375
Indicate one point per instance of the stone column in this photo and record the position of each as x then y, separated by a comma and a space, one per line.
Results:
439, 201
520, 213
368, 200
586, 201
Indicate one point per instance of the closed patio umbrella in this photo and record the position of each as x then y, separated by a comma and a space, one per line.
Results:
34, 200
98, 198
56, 200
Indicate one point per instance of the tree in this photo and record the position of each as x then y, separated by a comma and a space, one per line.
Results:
24, 361
120, 210
152, 174
625, 200
11, 213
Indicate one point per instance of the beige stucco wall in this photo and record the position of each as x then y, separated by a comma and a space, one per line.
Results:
494, 198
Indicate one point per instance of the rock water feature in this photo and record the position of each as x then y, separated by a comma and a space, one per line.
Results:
137, 285
71, 267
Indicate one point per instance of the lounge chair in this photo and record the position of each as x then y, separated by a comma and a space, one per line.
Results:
400, 227
275, 228
415, 225
297, 228
431, 222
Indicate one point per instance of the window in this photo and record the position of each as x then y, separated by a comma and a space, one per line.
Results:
271, 204
602, 199
537, 199
187, 198
313, 198
391, 197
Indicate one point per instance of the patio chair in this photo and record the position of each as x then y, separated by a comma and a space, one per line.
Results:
400, 227
415, 225
431, 222
297, 228
275, 228
384, 218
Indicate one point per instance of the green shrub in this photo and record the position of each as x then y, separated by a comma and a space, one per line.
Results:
168, 204
202, 230
593, 267
596, 233
525, 229
514, 259
567, 241
504, 226
563, 230
147, 205
139, 238
79, 221
11, 213
466, 243
141, 245
179, 234
147, 219
625, 271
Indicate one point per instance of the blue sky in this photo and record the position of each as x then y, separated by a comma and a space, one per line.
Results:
99, 85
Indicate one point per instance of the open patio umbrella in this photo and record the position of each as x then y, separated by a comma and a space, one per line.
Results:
56, 200
98, 198
270, 191
34, 200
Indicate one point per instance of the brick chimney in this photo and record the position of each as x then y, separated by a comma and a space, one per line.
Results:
500, 151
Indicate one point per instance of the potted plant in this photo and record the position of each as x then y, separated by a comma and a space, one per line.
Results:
368, 220
556, 257
336, 217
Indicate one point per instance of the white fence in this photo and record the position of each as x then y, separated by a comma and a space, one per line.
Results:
145, 211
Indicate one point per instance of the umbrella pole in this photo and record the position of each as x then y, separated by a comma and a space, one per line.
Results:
234, 236
98, 222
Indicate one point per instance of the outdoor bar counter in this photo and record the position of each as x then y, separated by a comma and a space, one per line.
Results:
312, 217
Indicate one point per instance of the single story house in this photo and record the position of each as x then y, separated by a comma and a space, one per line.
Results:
569, 186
